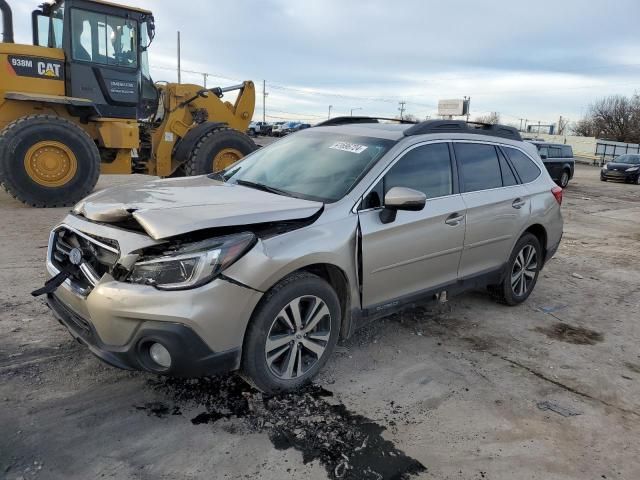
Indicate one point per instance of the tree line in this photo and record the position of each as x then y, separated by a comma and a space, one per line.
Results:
615, 117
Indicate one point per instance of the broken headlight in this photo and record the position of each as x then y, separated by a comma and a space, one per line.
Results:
191, 265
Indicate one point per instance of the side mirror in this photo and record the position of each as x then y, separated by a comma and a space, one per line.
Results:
543, 156
401, 198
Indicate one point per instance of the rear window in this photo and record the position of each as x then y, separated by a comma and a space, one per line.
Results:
555, 152
480, 166
526, 168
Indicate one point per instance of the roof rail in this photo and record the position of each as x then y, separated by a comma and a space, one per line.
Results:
348, 120
460, 126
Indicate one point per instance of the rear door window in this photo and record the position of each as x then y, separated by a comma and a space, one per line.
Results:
479, 166
527, 170
508, 177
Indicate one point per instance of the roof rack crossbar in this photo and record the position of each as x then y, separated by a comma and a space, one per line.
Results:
460, 126
358, 119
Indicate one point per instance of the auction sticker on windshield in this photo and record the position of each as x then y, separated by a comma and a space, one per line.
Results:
349, 147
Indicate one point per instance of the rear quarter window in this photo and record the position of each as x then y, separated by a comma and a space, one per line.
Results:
526, 168
567, 151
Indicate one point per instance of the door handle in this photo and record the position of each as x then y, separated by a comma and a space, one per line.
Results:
454, 219
518, 203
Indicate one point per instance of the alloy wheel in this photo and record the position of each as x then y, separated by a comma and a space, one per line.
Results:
298, 337
523, 273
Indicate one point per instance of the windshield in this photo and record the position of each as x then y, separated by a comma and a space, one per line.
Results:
313, 165
104, 39
631, 159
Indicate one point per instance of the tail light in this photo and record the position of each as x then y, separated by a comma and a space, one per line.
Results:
557, 192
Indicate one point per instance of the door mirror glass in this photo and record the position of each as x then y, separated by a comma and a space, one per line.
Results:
402, 198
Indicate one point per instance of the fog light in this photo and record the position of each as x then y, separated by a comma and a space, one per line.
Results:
160, 355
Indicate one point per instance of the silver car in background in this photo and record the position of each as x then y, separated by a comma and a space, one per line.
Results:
264, 266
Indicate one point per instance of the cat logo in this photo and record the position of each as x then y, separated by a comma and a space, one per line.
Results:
49, 69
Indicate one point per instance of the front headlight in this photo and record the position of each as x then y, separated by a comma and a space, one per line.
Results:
604, 169
190, 265
632, 169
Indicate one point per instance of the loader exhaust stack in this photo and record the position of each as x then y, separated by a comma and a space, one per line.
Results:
7, 22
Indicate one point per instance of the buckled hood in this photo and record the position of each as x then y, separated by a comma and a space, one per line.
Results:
165, 208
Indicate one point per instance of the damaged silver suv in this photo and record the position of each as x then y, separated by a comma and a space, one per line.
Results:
264, 266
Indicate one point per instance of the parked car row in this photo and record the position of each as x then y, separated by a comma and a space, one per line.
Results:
277, 129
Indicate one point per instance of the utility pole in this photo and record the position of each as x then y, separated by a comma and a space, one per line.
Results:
402, 109
539, 122
264, 101
205, 76
468, 101
353, 109
521, 120
525, 124
330, 107
179, 73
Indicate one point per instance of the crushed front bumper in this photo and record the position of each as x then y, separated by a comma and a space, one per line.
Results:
190, 356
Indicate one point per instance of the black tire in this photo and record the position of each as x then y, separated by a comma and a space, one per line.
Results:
20, 136
505, 291
564, 179
602, 179
201, 158
254, 362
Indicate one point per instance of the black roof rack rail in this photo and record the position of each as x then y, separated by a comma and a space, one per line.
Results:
359, 119
460, 126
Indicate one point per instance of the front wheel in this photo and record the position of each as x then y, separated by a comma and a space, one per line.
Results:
292, 333
522, 271
216, 150
47, 161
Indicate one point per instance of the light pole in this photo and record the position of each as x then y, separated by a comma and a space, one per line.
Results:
330, 107
354, 109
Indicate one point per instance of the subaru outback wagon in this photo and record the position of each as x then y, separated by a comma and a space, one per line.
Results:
264, 266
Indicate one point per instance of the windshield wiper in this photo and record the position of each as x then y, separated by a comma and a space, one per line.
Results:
263, 187
217, 176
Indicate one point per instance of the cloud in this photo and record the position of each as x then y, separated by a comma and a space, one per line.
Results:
534, 60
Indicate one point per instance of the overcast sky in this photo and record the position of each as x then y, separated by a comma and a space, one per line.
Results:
536, 60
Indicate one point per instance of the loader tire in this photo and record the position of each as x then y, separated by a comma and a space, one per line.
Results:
216, 150
47, 161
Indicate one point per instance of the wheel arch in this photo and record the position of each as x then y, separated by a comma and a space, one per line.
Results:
540, 233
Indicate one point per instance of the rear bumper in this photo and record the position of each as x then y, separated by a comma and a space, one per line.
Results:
190, 355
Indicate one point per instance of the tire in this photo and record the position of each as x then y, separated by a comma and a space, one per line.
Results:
602, 179
512, 294
638, 180
211, 150
273, 321
47, 161
564, 179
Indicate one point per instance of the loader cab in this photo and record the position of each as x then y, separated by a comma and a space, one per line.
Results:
105, 47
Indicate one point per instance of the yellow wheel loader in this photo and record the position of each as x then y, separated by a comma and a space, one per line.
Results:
80, 101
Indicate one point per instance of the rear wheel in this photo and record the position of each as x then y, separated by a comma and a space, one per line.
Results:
564, 179
292, 333
217, 150
523, 268
47, 161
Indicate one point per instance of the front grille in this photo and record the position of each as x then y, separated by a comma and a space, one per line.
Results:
99, 255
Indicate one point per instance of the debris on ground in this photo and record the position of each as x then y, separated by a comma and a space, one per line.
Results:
577, 275
348, 445
560, 410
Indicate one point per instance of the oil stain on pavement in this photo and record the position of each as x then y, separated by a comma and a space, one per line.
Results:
570, 334
348, 445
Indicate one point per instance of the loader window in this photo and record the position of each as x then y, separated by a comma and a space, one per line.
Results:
104, 39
